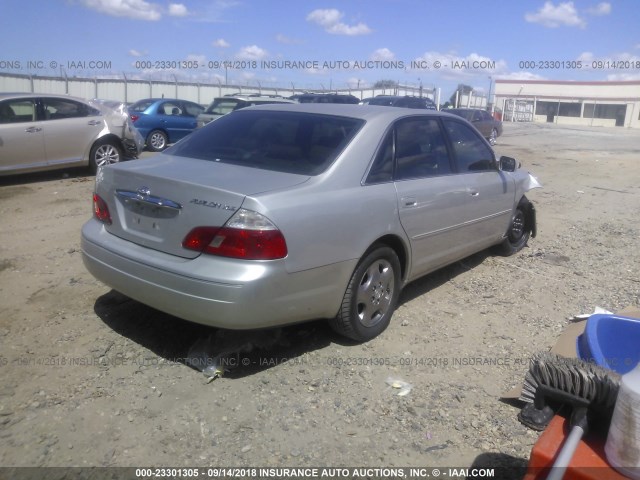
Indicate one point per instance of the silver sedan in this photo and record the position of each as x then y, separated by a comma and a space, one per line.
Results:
279, 214
45, 132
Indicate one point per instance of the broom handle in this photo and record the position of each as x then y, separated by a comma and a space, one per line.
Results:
566, 454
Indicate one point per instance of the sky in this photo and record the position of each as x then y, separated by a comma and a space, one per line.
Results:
324, 44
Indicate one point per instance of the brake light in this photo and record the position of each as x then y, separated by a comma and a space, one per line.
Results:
134, 117
247, 235
101, 210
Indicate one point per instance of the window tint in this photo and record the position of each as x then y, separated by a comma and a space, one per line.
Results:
472, 153
222, 106
57, 108
486, 116
382, 168
192, 109
17, 111
283, 141
141, 106
169, 108
420, 149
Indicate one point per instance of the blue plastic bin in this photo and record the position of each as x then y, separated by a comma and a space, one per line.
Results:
611, 341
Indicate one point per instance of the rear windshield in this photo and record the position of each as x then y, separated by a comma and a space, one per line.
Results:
387, 101
466, 114
141, 106
290, 142
222, 106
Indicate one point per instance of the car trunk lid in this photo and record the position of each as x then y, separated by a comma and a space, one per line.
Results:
156, 202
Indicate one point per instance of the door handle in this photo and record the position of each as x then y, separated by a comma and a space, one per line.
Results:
409, 202
474, 193
93, 123
33, 130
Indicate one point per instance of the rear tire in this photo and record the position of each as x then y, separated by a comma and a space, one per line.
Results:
493, 137
157, 140
371, 296
104, 152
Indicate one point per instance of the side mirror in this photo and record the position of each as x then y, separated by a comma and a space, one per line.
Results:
508, 164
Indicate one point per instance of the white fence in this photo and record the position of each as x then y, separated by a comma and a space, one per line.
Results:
126, 90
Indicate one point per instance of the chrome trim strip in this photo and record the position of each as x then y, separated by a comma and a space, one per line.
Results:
128, 196
460, 225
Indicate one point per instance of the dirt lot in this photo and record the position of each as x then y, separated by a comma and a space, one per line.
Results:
91, 378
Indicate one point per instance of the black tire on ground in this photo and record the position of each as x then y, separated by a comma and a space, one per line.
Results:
518, 233
104, 152
157, 140
493, 137
371, 295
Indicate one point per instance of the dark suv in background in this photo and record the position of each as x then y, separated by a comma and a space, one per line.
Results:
325, 98
406, 101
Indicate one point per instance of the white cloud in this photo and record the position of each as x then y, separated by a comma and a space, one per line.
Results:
603, 8
623, 77
136, 53
178, 10
252, 52
330, 20
565, 14
453, 66
221, 43
280, 38
585, 57
136, 9
383, 54
519, 76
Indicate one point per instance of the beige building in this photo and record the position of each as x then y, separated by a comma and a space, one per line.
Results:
601, 104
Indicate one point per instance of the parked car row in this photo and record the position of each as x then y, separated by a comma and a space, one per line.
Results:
486, 124
40, 132
44, 132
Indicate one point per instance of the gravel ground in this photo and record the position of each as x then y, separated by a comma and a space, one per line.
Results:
92, 378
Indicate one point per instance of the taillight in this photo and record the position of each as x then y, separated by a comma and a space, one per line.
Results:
134, 117
101, 210
247, 235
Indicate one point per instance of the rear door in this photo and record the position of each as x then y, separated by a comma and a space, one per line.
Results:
21, 137
70, 128
178, 118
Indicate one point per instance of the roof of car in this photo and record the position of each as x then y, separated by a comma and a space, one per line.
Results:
250, 98
41, 95
364, 112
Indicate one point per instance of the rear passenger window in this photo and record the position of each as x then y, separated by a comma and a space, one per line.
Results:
382, 168
471, 152
192, 109
57, 109
420, 149
17, 111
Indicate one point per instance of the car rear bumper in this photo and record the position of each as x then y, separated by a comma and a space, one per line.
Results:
211, 290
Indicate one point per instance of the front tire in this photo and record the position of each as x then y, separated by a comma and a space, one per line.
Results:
518, 233
157, 140
103, 153
371, 296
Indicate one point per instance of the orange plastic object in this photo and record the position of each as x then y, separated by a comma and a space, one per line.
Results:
589, 461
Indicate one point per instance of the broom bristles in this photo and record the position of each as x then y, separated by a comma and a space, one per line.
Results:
598, 385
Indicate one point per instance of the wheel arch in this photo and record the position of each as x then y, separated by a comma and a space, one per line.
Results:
100, 140
529, 215
398, 246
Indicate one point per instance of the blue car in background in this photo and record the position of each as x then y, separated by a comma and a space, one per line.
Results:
162, 121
